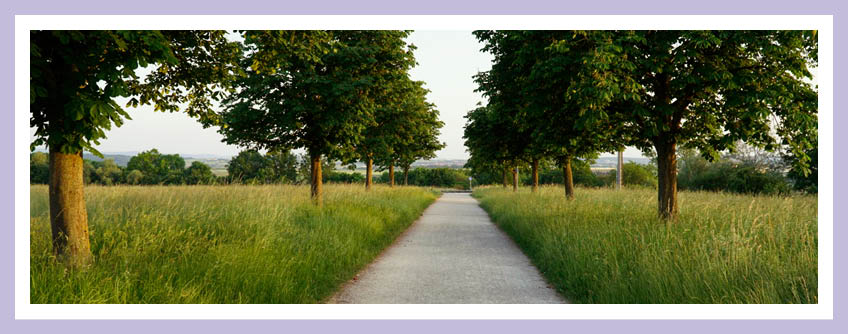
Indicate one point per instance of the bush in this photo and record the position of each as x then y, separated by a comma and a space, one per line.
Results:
633, 174
342, 177
737, 178
39, 168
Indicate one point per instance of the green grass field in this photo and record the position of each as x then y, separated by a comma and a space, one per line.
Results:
609, 246
221, 244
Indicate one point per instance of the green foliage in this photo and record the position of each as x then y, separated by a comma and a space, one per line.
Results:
633, 175
220, 244
408, 130
199, 173
106, 172
134, 177
701, 89
431, 177
806, 182
342, 177
75, 77
251, 167
701, 174
316, 90
609, 246
39, 168
527, 88
158, 168
581, 174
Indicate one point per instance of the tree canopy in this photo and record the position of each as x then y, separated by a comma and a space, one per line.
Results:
75, 77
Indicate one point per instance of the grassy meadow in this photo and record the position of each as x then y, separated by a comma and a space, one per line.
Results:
220, 244
609, 246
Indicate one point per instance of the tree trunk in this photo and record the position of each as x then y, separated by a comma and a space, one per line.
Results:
68, 218
515, 179
535, 174
505, 177
568, 179
369, 166
618, 170
406, 175
316, 179
392, 175
667, 179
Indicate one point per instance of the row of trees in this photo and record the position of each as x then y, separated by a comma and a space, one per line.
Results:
561, 95
340, 95
149, 167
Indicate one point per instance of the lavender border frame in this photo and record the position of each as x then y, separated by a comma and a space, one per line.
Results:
442, 7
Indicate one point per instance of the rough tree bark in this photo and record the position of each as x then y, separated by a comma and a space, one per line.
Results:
667, 178
392, 175
505, 173
369, 166
535, 174
68, 217
406, 175
316, 179
568, 179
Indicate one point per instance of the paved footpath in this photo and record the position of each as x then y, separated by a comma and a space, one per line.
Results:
453, 254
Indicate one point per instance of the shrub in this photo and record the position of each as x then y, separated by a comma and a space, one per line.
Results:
633, 174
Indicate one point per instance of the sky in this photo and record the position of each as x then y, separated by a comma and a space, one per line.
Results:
447, 61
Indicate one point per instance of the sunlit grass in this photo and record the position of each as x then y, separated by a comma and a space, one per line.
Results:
608, 246
221, 244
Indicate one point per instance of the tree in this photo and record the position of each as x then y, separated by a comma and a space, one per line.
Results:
411, 130
134, 177
700, 89
328, 167
282, 166
158, 168
392, 88
199, 173
489, 151
502, 85
310, 89
526, 88
108, 173
557, 129
75, 77
249, 167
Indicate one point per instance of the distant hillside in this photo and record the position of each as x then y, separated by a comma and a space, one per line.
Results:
120, 159
604, 162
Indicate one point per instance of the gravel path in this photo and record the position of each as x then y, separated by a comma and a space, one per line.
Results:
452, 255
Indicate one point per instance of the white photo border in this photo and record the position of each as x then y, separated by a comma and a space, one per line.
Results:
823, 310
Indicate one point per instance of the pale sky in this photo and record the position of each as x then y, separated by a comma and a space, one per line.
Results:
447, 60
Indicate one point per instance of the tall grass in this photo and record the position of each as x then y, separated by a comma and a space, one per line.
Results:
609, 246
220, 244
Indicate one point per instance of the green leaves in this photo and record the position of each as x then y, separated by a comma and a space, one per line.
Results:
75, 76
318, 90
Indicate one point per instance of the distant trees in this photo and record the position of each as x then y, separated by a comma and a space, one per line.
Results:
158, 168
656, 90
199, 173
39, 168
251, 167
